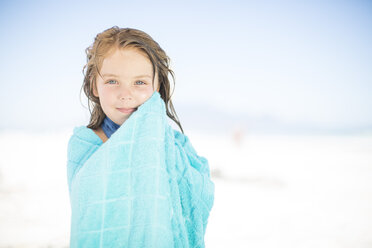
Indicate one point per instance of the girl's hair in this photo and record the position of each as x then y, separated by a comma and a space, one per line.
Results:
116, 37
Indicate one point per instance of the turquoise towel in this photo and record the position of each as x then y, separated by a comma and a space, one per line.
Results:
144, 187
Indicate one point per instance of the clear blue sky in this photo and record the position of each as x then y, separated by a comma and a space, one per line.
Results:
298, 61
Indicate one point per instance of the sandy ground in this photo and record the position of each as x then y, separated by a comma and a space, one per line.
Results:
270, 191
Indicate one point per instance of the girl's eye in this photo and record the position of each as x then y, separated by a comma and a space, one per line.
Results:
141, 82
110, 81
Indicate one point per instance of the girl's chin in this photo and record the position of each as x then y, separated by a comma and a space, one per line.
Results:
123, 120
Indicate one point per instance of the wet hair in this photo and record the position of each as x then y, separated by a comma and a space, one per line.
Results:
114, 38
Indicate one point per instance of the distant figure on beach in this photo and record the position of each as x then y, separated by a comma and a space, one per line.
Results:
238, 135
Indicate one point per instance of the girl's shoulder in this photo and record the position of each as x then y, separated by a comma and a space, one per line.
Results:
86, 134
82, 140
183, 141
198, 162
179, 137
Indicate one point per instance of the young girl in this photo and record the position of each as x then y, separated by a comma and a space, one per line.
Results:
133, 180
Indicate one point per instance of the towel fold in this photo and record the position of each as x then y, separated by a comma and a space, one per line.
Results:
144, 187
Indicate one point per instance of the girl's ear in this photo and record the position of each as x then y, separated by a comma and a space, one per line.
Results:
95, 92
156, 82
158, 88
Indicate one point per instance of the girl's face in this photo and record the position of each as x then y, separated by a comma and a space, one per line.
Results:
126, 83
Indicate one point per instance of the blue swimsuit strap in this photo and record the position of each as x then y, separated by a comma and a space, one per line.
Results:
109, 127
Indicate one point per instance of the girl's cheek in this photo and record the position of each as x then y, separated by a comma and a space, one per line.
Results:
108, 95
145, 90
106, 90
144, 94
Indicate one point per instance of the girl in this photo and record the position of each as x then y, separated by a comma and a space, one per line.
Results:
133, 180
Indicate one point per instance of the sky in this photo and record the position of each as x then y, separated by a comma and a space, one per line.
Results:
303, 62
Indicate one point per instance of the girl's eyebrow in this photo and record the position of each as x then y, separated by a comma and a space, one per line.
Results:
113, 75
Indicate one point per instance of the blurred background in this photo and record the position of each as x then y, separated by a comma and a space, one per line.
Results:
277, 95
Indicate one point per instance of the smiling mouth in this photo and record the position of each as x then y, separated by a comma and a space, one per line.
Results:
127, 111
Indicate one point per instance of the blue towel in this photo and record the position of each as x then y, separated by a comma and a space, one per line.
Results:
144, 187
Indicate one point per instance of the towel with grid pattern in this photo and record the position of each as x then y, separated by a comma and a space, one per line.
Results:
144, 187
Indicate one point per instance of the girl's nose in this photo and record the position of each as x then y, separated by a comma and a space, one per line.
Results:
125, 92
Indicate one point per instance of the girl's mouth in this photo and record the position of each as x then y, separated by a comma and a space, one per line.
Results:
127, 111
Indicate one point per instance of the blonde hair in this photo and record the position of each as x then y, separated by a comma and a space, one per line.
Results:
116, 37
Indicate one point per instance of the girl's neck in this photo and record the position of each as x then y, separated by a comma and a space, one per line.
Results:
109, 127
99, 132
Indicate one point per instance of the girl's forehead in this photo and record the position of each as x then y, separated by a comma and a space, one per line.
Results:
131, 49
123, 53
128, 57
